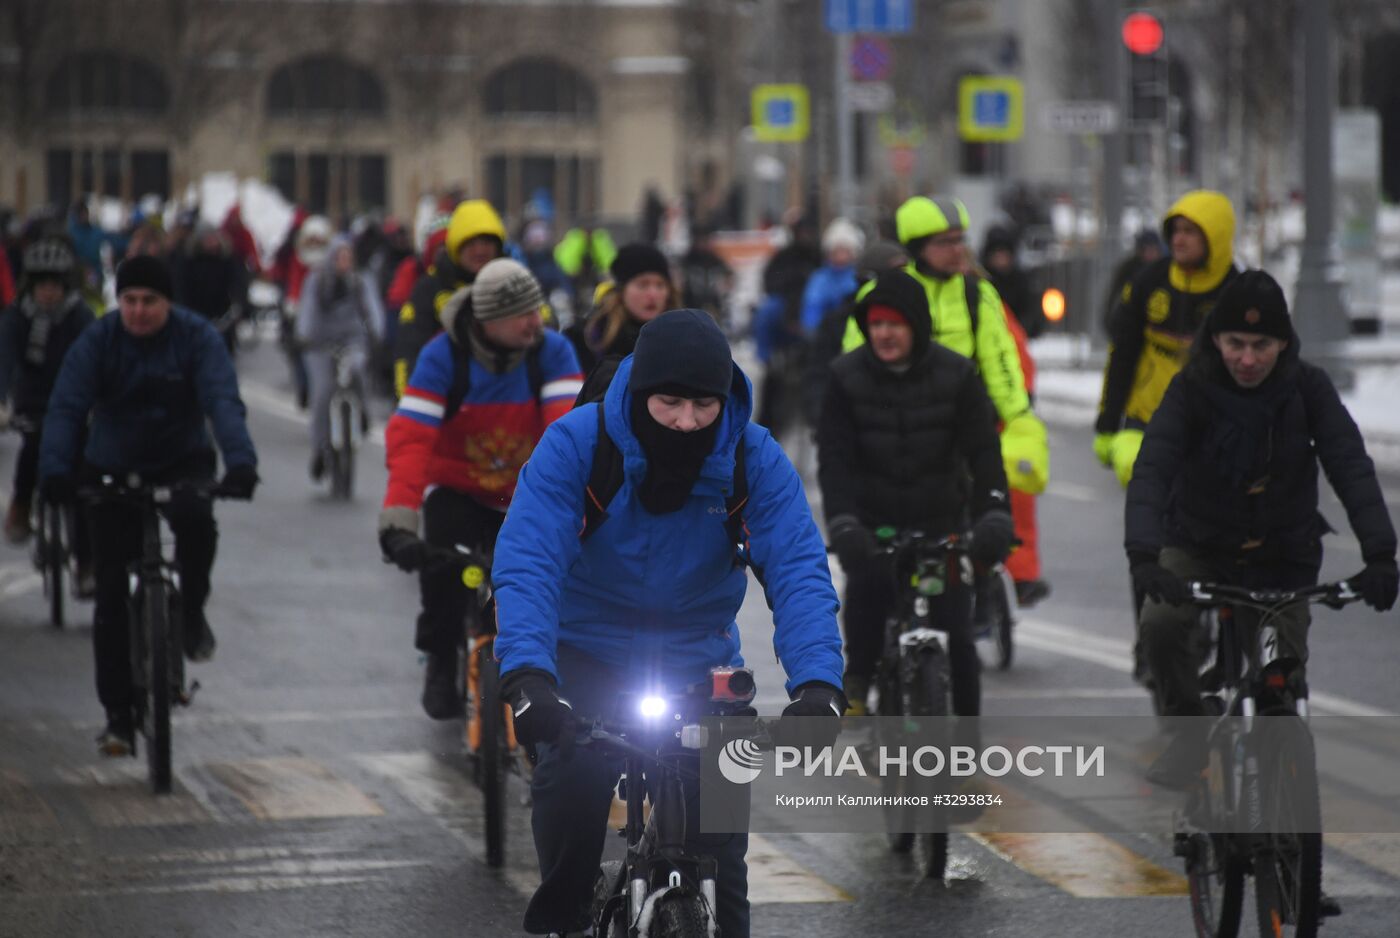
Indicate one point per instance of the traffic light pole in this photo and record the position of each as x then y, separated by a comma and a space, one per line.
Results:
1111, 71
1320, 315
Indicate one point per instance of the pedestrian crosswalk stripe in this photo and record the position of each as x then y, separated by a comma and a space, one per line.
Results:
1089, 866
117, 794
283, 789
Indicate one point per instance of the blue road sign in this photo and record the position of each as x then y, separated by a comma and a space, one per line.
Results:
990, 108
869, 16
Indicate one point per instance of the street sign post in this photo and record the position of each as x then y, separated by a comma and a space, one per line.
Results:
869, 16
990, 109
780, 113
872, 97
1080, 117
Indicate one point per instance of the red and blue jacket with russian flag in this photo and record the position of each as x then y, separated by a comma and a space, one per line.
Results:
478, 450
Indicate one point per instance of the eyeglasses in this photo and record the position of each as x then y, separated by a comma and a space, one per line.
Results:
948, 240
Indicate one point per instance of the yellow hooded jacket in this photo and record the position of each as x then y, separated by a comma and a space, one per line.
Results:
1160, 312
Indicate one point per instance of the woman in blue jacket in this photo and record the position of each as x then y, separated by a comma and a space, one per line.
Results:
652, 595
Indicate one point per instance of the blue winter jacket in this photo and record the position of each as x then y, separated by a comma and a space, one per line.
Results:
657, 594
827, 289
149, 399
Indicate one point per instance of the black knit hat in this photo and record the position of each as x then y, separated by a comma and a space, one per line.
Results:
147, 273
682, 348
902, 293
636, 259
1252, 302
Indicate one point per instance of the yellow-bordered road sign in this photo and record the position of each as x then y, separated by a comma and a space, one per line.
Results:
781, 113
990, 109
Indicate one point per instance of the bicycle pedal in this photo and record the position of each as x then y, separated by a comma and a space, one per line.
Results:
1184, 846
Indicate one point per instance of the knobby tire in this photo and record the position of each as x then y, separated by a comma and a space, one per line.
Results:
155, 613
54, 562
931, 699
680, 914
492, 757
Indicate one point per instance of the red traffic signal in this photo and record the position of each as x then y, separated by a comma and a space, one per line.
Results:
1142, 33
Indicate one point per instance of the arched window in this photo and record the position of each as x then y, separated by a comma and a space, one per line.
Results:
322, 86
539, 87
107, 81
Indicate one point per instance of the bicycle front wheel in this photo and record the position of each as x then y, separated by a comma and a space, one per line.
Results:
681, 914
930, 698
1288, 861
54, 561
1002, 622
343, 471
155, 616
492, 754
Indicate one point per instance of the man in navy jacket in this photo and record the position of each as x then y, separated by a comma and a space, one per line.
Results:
151, 375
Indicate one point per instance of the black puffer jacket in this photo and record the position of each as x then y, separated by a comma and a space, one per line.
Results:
898, 448
1232, 473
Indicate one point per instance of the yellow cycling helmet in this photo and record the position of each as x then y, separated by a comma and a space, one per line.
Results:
921, 216
470, 219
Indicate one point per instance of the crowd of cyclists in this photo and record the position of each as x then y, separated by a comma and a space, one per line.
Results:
524, 374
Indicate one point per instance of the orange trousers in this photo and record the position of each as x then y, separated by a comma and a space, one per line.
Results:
1024, 562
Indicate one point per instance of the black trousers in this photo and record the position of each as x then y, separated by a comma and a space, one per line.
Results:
870, 599
451, 518
27, 467
116, 542
570, 817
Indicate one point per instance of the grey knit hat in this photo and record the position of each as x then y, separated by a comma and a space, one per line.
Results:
504, 288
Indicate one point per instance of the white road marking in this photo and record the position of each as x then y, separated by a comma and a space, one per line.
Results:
117, 794
19, 578
1073, 491
271, 401
282, 789
1117, 655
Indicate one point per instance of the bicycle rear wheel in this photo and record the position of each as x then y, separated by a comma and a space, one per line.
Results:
343, 470
155, 615
54, 561
492, 754
1002, 622
1288, 864
609, 922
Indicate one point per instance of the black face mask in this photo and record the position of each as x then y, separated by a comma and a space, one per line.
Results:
674, 459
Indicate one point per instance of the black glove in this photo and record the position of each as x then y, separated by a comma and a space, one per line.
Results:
540, 715
853, 543
1378, 584
1157, 582
991, 538
58, 489
239, 482
819, 706
407, 550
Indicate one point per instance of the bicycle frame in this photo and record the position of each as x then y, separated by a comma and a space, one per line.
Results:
346, 405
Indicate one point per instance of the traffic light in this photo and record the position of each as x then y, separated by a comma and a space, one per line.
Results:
1145, 39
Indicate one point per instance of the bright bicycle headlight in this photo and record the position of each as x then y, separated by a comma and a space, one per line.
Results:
652, 707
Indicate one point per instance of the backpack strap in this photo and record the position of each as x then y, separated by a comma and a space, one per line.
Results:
734, 505
604, 479
973, 294
462, 377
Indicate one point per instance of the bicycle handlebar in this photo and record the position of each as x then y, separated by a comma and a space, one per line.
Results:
1334, 595
133, 488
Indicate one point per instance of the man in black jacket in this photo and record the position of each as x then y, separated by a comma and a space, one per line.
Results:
904, 423
1225, 489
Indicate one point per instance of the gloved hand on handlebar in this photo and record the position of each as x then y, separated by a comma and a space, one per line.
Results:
58, 489
991, 538
1158, 583
239, 482
819, 706
1378, 584
853, 543
407, 550
540, 714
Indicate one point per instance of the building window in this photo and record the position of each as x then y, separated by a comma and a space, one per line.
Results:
570, 181
334, 184
324, 86
111, 171
106, 81
540, 88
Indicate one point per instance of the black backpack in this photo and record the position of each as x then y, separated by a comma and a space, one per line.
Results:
462, 377
606, 475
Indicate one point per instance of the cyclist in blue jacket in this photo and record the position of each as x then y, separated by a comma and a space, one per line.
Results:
652, 595
153, 377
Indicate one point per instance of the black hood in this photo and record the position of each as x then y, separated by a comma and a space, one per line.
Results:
901, 292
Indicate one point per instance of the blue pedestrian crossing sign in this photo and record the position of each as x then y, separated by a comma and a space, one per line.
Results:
869, 16
990, 109
780, 113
